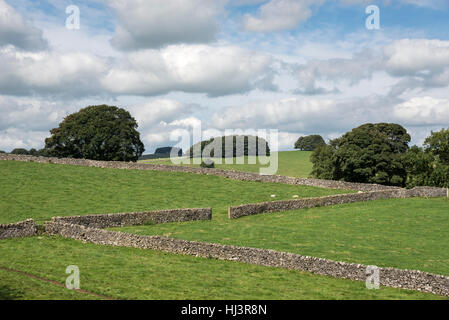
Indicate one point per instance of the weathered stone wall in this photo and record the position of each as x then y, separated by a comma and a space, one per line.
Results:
397, 278
25, 228
231, 174
137, 218
284, 205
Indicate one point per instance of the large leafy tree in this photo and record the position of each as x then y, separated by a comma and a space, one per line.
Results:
438, 144
98, 133
309, 143
371, 153
429, 166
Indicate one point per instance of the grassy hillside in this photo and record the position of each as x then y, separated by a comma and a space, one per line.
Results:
402, 233
41, 191
16, 286
382, 232
291, 163
129, 273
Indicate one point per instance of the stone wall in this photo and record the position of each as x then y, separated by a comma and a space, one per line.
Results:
25, 228
137, 218
231, 174
284, 205
397, 278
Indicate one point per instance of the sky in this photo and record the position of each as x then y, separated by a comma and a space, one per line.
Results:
298, 66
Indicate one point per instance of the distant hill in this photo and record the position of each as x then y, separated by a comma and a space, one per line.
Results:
161, 153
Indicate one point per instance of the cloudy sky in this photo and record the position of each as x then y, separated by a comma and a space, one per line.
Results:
299, 66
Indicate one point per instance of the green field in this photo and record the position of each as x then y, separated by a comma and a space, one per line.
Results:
384, 233
128, 273
401, 233
41, 191
291, 163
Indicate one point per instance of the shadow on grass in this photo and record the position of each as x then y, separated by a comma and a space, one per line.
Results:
8, 293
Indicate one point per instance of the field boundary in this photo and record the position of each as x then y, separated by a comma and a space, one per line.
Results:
111, 220
231, 174
20, 229
391, 277
235, 212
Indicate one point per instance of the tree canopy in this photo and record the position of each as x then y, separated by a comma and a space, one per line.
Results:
429, 166
239, 146
438, 144
96, 132
309, 143
20, 151
371, 153
169, 150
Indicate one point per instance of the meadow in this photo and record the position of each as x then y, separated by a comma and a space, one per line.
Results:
403, 233
291, 163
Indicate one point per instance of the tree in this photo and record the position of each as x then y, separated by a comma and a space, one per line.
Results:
169, 150
371, 153
438, 144
309, 143
98, 133
419, 167
238, 146
429, 166
20, 151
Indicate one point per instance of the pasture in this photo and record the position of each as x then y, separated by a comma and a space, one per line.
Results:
403, 233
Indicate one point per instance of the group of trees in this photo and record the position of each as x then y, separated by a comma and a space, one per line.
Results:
309, 143
372, 153
379, 153
31, 152
429, 166
230, 146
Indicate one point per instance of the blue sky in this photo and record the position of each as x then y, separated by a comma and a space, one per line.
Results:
298, 66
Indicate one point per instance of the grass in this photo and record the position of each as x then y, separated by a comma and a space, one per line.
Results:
129, 273
406, 233
41, 191
15, 286
291, 163
402, 233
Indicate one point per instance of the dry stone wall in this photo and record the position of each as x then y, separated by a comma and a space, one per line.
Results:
231, 174
285, 205
137, 218
397, 278
25, 228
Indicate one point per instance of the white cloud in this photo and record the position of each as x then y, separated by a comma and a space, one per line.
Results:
190, 122
155, 23
29, 114
17, 138
159, 110
435, 4
416, 56
16, 31
278, 15
302, 114
68, 74
190, 68
287, 140
414, 63
361, 66
158, 118
423, 111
